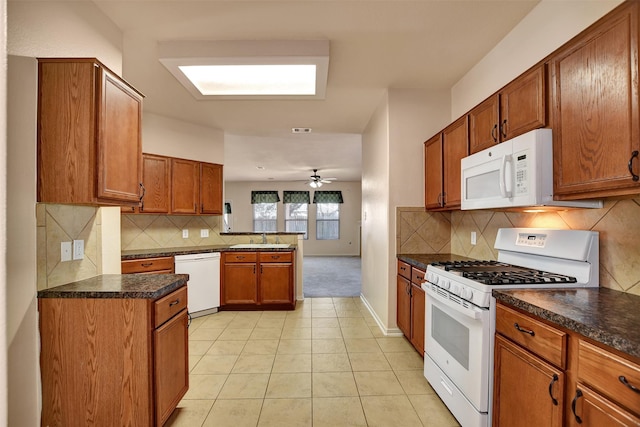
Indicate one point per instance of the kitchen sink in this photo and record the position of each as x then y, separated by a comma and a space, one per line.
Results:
260, 246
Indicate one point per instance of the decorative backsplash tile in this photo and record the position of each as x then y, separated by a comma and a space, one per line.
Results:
418, 231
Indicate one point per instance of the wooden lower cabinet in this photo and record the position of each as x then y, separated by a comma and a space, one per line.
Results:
113, 361
156, 265
257, 280
530, 391
594, 410
410, 304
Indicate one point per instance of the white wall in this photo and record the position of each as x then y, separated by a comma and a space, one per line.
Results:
547, 27
3, 225
239, 192
170, 137
36, 29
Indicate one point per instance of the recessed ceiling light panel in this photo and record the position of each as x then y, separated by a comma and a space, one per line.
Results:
249, 69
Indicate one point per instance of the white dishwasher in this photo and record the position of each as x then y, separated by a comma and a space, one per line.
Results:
203, 288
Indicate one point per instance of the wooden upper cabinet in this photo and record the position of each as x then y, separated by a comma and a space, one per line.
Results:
185, 183
596, 138
433, 174
156, 174
210, 189
89, 134
517, 108
442, 155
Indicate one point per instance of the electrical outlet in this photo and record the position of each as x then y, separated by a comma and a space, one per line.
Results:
185, 233
473, 238
204, 232
65, 251
78, 249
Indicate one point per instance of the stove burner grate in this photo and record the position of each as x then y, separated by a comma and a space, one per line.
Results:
500, 273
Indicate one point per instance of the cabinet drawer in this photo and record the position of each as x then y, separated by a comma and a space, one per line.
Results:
539, 338
148, 265
276, 256
607, 373
404, 270
240, 257
417, 276
170, 305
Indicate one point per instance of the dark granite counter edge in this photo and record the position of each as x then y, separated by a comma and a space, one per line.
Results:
259, 233
150, 253
423, 260
596, 334
67, 291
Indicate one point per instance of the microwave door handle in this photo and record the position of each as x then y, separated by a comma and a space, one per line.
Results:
503, 177
468, 312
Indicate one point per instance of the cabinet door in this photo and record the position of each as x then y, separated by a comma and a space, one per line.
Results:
276, 283
523, 104
240, 285
403, 316
210, 189
185, 183
156, 173
595, 109
455, 146
433, 173
119, 153
171, 367
530, 386
593, 410
417, 318
483, 125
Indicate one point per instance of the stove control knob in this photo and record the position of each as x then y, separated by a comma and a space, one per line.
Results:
434, 279
455, 289
445, 284
467, 294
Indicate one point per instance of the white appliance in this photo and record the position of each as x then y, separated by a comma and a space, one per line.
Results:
460, 311
203, 288
515, 173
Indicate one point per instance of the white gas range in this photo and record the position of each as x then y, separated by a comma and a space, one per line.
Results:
460, 311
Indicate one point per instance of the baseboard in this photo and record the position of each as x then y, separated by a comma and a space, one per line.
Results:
391, 332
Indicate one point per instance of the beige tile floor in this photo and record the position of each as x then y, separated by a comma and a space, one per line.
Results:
324, 364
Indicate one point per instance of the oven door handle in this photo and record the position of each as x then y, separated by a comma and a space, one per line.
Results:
468, 312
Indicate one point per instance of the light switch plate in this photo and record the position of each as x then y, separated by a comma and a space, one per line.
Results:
65, 251
78, 249
204, 232
185, 233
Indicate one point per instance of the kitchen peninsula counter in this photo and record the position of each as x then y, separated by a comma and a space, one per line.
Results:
603, 315
123, 286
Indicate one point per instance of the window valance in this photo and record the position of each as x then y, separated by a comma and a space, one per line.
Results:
296, 197
264, 197
327, 197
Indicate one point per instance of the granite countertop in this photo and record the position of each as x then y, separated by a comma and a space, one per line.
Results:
140, 286
604, 315
187, 250
423, 260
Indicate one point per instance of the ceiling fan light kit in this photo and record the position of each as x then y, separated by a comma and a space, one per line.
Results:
316, 180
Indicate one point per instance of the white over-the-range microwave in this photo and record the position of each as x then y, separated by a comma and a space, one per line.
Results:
515, 173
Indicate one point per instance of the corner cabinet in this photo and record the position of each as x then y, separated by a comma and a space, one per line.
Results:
411, 304
442, 156
113, 361
89, 134
596, 121
257, 280
517, 108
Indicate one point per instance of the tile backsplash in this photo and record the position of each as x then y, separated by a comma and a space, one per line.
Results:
618, 223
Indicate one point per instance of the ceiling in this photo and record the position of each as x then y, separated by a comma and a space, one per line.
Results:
374, 45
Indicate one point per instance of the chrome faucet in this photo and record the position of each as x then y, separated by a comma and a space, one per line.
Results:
264, 238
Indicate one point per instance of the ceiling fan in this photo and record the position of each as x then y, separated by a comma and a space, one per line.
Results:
316, 180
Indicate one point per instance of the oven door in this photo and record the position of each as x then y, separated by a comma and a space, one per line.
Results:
457, 339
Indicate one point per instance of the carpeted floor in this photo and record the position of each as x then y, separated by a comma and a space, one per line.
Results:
332, 276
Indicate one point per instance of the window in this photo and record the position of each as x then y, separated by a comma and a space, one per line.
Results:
296, 218
265, 210
327, 214
327, 221
296, 211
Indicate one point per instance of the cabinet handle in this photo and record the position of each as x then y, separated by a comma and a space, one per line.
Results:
444, 200
573, 406
553, 381
260, 269
146, 264
624, 381
254, 269
526, 331
172, 303
144, 191
407, 288
275, 256
494, 134
240, 257
195, 207
630, 166
503, 126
